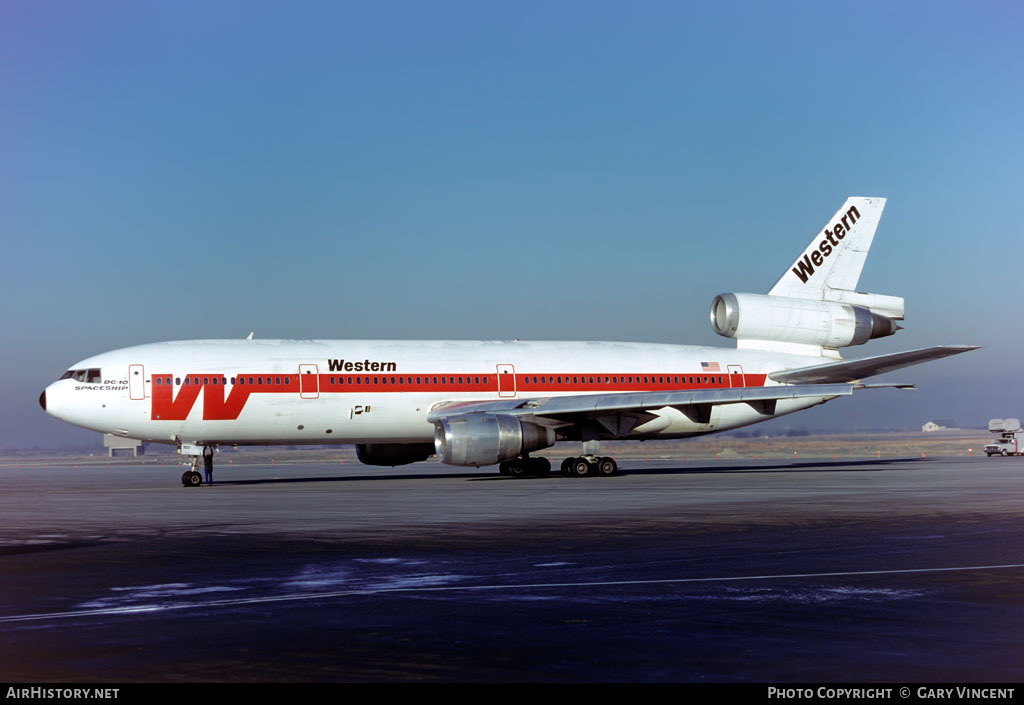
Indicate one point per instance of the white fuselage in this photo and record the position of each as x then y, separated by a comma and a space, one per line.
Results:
326, 391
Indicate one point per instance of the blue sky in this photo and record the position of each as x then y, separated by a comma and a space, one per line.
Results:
540, 170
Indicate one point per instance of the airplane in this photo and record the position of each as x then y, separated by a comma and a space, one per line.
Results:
482, 403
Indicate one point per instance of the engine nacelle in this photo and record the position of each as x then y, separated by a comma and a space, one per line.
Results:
787, 320
392, 454
486, 439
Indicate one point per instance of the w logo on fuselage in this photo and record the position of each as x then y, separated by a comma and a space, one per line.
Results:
167, 406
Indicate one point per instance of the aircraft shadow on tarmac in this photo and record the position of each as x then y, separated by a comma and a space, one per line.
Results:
804, 466
871, 465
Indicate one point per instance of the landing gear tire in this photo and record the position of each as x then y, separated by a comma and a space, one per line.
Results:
581, 467
606, 467
521, 467
191, 478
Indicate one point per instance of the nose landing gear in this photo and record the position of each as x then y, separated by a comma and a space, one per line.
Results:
192, 477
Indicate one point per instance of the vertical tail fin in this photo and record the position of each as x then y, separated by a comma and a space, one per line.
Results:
835, 256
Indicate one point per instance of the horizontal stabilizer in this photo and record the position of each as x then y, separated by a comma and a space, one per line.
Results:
851, 370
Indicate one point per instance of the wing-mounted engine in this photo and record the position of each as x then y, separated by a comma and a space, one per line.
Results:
853, 319
486, 439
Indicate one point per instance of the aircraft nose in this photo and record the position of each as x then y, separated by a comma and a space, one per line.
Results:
42, 400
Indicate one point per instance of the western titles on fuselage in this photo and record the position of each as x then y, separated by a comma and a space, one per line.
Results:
342, 365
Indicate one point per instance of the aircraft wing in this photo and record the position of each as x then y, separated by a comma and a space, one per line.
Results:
851, 370
621, 412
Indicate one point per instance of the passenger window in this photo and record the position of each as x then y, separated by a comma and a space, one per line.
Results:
232, 380
177, 380
206, 380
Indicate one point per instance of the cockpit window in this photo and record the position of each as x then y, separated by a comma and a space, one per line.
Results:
90, 376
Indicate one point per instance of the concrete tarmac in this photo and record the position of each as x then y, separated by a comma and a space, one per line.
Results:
851, 570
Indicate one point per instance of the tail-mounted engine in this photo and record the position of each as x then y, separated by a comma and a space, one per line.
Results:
486, 439
853, 320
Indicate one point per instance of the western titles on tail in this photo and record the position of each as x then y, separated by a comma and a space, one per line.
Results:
813, 309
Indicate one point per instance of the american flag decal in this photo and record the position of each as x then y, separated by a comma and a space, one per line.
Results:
710, 367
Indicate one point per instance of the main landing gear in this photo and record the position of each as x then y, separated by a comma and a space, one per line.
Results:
582, 466
527, 466
588, 466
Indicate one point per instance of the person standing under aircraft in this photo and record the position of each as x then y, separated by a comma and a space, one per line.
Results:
208, 460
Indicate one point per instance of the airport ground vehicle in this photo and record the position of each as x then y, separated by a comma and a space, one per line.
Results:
477, 403
1010, 440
